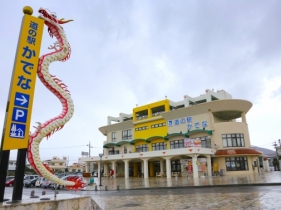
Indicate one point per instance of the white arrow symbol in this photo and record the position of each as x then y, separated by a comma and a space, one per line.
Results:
23, 100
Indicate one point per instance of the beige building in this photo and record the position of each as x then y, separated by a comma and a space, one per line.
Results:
76, 167
201, 136
57, 164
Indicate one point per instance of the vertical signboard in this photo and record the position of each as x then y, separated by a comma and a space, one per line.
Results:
23, 84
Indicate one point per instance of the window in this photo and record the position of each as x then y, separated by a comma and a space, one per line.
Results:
127, 134
236, 164
205, 141
177, 144
158, 146
142, 128
113, 152
142, 148
175, 166
233, 140
60, 164
125, 150
113, 136
158, 125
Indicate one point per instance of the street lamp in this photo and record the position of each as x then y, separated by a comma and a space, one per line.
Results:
101, 154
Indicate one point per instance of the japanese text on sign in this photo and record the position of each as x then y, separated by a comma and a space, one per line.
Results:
190, 123
23, 84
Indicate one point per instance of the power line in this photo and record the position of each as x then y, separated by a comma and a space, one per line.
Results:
262, 145
68, 147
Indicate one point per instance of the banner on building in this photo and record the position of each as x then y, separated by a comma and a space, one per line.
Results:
192, 142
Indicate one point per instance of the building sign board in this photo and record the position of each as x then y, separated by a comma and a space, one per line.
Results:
189, 122
192, 142
23, 84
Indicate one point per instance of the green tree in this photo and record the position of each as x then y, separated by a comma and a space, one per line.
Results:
29, 171
275, 163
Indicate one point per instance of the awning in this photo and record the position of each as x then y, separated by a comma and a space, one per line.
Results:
122, 142
110, 144
230, 152
199, 131
172, 135
136, 140
154, 137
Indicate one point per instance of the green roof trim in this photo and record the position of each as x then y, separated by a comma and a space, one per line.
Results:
122, 142
136, 140
153, 137
110, 144
172, 135
198, 131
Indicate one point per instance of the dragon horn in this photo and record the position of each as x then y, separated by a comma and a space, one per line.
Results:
62, 21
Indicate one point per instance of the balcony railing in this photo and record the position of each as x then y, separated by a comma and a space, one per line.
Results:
142, 117
157, 113
116, 152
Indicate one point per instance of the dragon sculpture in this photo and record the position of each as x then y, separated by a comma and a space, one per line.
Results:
57, 87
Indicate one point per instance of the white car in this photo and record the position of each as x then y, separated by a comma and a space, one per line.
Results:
39, 182
65, 178
30, 177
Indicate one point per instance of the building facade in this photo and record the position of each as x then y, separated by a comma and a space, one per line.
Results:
76, 167
57, 164
205, 135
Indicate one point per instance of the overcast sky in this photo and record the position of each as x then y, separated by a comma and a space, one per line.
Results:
135, 52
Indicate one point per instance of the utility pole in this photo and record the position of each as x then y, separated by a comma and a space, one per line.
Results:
89, 145
275, 146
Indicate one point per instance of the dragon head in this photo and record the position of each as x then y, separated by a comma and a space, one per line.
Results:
51, 18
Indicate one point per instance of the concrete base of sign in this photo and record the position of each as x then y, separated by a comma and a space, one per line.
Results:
61, 202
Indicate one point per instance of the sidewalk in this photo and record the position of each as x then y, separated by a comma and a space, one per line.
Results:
265, 178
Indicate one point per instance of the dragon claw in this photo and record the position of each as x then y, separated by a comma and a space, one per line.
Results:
56, 46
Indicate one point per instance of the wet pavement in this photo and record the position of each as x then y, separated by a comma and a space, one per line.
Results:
234, 198
214, 193
269, 178
253, 192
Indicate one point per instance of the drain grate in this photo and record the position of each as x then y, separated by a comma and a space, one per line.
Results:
131, 205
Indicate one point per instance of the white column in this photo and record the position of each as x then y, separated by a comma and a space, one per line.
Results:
142, 167
146, 182
145, 168
127, 183
168, 168
194, 166
243, 116
266, 165
87, 167
113, 166
105, 168
209, 166
161, 166
99, 168
126, 165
